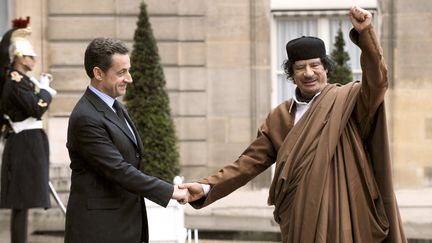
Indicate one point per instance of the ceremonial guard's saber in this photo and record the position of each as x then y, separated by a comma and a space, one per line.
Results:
57, 198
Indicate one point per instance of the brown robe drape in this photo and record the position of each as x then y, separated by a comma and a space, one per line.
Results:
324, 189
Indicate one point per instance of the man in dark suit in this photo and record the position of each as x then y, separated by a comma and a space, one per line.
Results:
106, 198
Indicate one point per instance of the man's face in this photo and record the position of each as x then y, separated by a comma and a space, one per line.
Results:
309, 76
116, 78
27, 62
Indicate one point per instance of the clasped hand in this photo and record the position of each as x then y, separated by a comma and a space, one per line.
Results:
188, 192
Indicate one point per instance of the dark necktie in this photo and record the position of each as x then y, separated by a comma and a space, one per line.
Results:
119, 112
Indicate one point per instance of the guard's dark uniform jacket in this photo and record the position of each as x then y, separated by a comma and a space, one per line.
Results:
25, 166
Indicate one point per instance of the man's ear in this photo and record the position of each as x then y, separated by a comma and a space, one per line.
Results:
98, 73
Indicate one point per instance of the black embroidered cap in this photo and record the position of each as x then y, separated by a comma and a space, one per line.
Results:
305, 47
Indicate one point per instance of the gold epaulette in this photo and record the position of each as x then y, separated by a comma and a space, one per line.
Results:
15, 76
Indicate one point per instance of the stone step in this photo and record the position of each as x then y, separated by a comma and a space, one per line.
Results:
59, 171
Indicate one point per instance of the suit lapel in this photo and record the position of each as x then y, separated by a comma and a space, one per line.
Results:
109, 114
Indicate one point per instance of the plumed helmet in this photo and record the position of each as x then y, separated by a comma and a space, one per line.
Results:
14, 43
19, 44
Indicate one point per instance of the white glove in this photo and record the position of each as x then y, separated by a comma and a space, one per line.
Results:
44, 83
45, 79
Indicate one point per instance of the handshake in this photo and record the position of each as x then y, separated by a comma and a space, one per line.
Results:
188, 192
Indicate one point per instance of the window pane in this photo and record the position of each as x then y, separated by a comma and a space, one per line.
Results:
4, 17
288, 28
351, 48
285, 88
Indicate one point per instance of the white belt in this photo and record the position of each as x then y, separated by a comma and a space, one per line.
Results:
27, 124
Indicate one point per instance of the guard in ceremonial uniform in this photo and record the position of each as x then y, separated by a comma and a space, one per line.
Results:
25, 163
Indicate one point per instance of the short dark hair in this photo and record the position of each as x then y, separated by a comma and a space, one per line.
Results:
326, 61
99, 54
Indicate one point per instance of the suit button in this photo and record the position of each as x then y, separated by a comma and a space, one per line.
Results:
137, 155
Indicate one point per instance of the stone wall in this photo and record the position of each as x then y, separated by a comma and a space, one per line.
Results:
406, 42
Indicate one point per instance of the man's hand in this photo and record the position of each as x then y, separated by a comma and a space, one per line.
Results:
180, 194
360, 18
195, 191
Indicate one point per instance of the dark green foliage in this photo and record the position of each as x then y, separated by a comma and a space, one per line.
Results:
342, 73
148, 104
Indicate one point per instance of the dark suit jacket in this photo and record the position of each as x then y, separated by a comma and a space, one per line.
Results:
106, 197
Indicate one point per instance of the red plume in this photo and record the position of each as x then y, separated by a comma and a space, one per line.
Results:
19, 23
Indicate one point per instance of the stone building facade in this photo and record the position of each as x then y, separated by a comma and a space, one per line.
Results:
219, 61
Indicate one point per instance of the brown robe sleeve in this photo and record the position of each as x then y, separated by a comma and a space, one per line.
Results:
374, 82
257, 157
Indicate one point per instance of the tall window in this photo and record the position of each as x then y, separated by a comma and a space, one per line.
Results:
290, 25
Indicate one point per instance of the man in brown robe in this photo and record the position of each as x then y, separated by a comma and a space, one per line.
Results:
332, 181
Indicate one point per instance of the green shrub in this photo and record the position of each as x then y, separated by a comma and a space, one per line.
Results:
342, 73
148, 104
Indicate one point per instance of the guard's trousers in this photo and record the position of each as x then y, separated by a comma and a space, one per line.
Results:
19, 226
